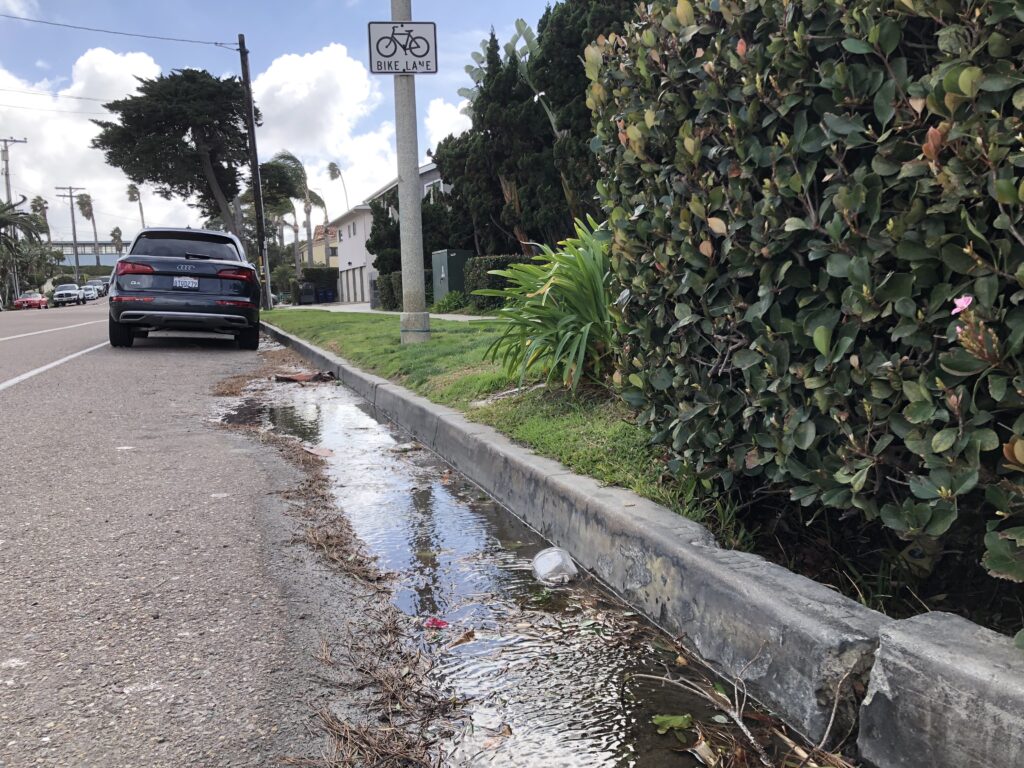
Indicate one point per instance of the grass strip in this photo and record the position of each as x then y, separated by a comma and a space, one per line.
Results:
591, 433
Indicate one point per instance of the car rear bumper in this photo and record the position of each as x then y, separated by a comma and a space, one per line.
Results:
157, 319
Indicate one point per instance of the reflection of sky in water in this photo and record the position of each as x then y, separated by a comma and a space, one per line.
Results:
549, 666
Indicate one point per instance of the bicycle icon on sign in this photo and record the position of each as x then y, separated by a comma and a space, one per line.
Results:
406, 41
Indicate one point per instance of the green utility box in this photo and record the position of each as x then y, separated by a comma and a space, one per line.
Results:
449, 267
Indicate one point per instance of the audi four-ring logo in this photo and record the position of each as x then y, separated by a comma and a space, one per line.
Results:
187, 267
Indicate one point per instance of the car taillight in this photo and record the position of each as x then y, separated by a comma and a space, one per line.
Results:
226, 303
133, 268
236, 273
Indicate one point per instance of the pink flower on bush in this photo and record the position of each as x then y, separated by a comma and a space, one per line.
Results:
961, 304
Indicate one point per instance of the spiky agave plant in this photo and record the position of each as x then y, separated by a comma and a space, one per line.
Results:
557, 310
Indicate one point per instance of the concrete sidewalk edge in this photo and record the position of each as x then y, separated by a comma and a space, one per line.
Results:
797, 645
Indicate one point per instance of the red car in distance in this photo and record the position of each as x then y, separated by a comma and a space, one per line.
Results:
31, 300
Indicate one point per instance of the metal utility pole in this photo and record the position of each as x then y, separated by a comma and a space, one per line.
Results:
70, 196
5, 156
254, 172
414, 321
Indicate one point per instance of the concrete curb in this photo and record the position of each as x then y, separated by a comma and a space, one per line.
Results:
801, 648
965, 682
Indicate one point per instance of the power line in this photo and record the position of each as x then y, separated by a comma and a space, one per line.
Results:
122, 34
54, 95
47, 109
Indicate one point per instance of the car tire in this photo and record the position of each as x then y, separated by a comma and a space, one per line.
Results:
249, 339
120, 335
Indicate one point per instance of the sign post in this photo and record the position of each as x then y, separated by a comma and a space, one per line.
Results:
404, 49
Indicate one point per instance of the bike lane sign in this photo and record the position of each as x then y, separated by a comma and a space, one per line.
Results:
403, 48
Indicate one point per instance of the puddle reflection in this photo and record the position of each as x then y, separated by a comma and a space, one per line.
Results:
546, 671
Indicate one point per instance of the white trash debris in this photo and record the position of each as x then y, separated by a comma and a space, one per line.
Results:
554, 566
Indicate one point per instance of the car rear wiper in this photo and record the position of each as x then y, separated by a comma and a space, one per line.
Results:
189, 255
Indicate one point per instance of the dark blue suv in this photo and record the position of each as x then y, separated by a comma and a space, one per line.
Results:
184, 280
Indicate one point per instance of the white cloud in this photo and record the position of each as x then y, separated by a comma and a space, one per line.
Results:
444, 119
323, 106
59, 133
42, 64
19, 7
312, 105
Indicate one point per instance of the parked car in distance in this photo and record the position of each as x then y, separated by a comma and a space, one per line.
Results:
99, 285
69, 293
184, 280
31, 300
91, 294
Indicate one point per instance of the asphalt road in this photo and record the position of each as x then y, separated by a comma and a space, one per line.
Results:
154, 607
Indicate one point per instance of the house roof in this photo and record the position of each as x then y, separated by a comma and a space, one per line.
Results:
337, 222
394, 182
318, 233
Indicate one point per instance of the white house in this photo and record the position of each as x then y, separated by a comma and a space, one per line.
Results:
355, 263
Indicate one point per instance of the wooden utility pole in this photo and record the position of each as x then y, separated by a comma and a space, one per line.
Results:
254, 173
5, 156
70, 197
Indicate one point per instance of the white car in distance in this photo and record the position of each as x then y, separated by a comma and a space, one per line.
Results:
69, 293
90, 292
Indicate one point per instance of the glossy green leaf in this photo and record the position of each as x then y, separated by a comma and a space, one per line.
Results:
822, 339
857, 46
943, 440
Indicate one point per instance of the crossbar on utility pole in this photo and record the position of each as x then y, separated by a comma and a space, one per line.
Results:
414, 320
5, 157
70, 196
254, 172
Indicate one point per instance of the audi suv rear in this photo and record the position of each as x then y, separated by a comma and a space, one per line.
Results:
184, 280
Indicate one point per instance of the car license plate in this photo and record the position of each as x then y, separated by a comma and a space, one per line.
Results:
187, 283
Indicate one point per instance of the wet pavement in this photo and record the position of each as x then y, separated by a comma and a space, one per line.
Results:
548, 675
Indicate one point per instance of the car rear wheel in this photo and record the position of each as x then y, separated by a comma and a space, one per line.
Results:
249, 339
120, 335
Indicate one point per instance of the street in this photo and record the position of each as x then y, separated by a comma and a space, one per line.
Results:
145, 619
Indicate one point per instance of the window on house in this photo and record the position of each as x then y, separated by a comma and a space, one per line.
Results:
431, 188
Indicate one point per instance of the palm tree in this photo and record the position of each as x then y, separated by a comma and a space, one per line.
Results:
15, 222
39, 207
115, 238
333, 172
309, 198
84, 201
135, 196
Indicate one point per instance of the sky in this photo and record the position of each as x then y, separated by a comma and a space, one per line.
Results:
311, 82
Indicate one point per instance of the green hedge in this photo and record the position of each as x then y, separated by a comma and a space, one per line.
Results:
63, 280
389, 288
321, 277
396, 289
799, 193
477, 278
386, 293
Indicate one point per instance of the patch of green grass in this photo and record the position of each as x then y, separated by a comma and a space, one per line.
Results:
449, 369
592, 432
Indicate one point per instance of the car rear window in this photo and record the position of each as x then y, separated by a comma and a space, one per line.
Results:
181, 245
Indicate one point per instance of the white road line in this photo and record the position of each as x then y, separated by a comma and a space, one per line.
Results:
50, 330
42, 369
